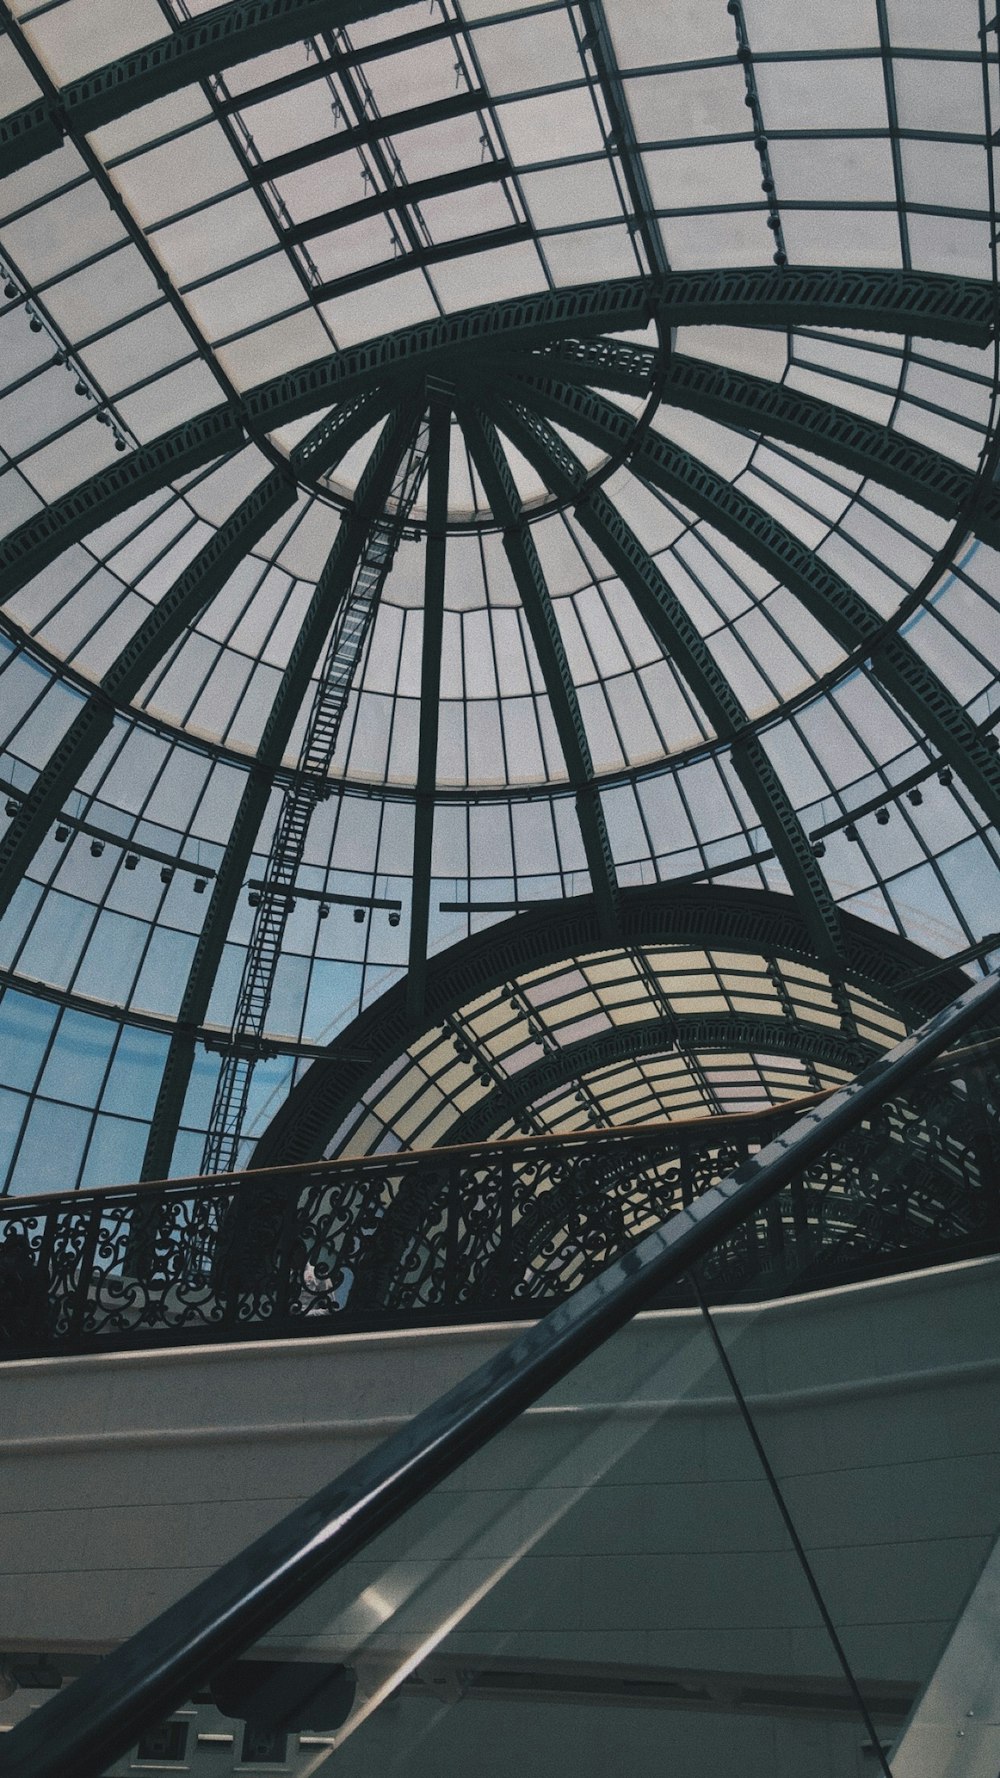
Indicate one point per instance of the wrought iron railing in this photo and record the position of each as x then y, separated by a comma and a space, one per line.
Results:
494, 1231
914, 1120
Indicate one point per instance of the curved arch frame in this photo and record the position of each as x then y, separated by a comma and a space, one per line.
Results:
645, 1041
754, 922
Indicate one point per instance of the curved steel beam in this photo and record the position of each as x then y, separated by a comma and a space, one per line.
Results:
655, 1037
216, 40
750, 921
519, 547
333, 583
959, 309
823, 592
757, 404
322, 448
963, 310
911, 469
683, 644
29, 548
180, 606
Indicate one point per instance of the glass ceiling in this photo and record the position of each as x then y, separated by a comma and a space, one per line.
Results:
703, 298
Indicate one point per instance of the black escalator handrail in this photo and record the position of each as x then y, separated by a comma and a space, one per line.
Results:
82, 1729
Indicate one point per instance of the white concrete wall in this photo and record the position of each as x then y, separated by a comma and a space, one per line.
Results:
646, 1534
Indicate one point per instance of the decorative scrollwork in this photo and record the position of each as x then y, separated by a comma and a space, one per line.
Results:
495, 1230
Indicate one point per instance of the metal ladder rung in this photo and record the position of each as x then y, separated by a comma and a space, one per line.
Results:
351, 630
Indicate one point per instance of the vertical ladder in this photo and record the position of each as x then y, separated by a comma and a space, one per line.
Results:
309, 786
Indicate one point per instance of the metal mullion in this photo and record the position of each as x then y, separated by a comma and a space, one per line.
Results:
633, 671
75, 352
197, 209
102, 333
879, 349
353, 58
246, 333
46, 197
868, 555
376, 147
224, 271
171, 657
851, 621
463, 247
395, 197
393, 123
836, 795
83, 265
598, 41
889, 84
934, 860
661, 1000
721, 395
350, 724
10, 735
126, 588
232, 133
139, 816
533, 450
33, 1093
114, 161
833, 527
132, 231
898, 394
108, 404
636, 671
725, 623
668, 648
29, 640
495, 115
531, 699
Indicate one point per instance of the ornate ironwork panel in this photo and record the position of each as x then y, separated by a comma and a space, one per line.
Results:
495, 1230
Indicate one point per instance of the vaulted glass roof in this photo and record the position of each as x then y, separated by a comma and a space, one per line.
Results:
510, 452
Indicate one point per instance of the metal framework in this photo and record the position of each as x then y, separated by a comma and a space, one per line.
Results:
689, 1037
681, 642
824, 592
754, 404
748, 921
520, 364
86, 1726
310, 785
179, 607
496, 1230
527, 571
960, 310
439, 450
219, 39
331, 588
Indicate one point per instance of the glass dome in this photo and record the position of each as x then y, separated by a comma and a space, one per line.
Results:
579, 416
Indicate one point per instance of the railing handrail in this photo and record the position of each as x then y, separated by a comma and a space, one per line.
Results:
82, 1729
406, 1157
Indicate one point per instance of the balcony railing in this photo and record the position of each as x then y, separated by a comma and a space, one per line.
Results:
919, 1130
495, 1231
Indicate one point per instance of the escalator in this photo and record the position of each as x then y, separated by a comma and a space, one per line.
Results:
719, 1509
